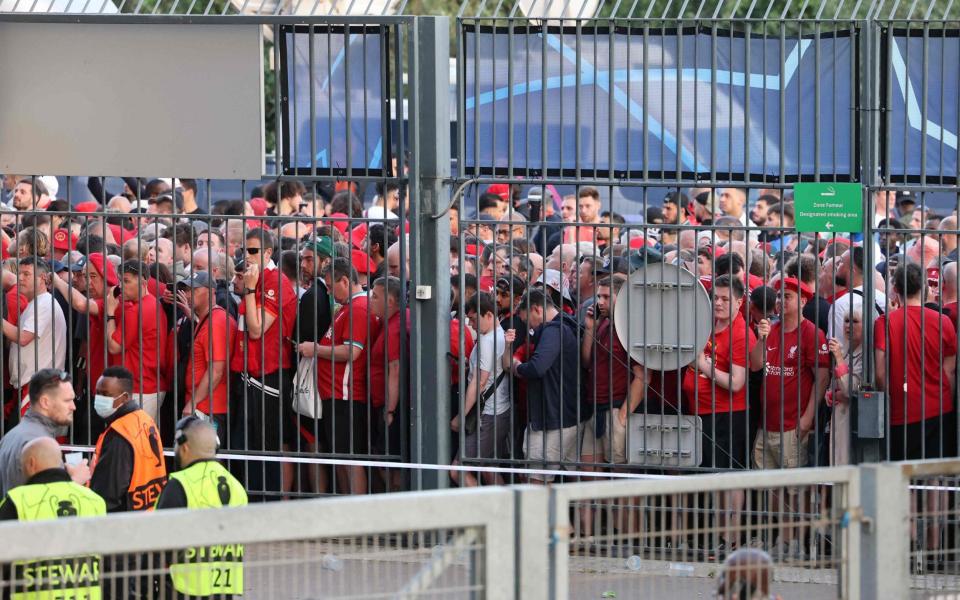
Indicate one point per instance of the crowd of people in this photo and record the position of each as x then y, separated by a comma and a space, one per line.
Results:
283, 320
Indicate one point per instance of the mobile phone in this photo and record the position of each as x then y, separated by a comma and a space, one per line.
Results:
73, 458
117, 292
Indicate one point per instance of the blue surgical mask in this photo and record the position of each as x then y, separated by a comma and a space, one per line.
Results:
104, 405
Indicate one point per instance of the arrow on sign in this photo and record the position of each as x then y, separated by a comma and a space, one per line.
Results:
828, 225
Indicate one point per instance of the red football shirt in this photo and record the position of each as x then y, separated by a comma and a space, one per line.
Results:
610, 368
211, 342
271, 352
455, 349
917, 392
16, 303
97, 344
791, 367
142, 332
385, 349
731, 346
354, 326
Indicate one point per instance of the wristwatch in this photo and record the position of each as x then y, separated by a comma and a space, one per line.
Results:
247, 291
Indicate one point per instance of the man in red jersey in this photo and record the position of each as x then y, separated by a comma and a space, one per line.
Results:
915, 362
385, 302
796, 365
137, 332
715, 389
263, 357
342, 372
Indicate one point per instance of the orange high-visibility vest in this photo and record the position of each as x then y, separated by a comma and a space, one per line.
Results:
149, 470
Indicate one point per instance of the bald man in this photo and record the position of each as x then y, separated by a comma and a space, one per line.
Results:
948, 241
201, 483
50, 494
200, 480
948, 291
46, 477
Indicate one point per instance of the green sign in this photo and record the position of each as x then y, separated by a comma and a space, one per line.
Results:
828, 207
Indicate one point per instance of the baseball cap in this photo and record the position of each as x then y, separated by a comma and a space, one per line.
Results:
678, 198
259, 206
554, 279
791, 283
709, 200
87, 207
500, 189
321, 245
100, 262
642, 257
56, 266
340, 225
64, 240
358, 234
198, 279
361, 262
517, 284
617, 264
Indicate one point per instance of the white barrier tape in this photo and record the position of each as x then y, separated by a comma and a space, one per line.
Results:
402, 465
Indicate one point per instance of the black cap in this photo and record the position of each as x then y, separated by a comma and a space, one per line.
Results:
199, 279
678, 198
617, 264
517, 284
654, 214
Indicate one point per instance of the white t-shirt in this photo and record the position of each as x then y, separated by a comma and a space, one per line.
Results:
841, 308
44, 318
379, 212
489, 348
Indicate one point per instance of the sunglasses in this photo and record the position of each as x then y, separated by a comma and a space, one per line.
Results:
253, 250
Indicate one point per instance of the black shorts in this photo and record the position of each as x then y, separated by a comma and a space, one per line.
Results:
266, 408
347, 428
933, 438
725, 440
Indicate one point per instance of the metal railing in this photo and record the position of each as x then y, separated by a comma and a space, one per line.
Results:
651, 537
824, 98
408, 546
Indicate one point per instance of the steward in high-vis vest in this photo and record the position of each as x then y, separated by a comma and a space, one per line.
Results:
129, 471
50, 494
203, 483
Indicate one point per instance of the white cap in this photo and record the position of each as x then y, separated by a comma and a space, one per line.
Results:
554, 279
50, 182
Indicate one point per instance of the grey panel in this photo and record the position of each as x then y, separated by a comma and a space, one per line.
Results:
648, 315
137, 100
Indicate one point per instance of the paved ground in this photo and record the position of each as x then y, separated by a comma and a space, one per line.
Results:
313, 571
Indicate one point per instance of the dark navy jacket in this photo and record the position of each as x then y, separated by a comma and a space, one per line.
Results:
552, 375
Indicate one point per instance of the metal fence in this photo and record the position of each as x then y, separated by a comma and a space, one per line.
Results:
358, 548
652, 537
617, 144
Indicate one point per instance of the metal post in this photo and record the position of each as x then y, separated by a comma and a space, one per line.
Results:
869, 449
533, 536
885, 536
430, 246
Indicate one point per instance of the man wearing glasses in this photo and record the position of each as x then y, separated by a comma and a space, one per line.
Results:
264, 358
